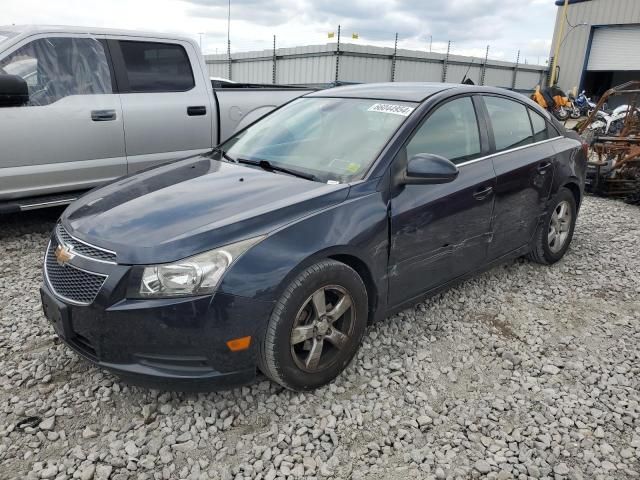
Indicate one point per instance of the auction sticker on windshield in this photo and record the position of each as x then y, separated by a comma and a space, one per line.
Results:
390, 108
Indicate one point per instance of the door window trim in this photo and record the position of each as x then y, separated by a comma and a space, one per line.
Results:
502, 152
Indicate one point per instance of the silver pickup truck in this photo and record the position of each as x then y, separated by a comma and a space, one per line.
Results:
82, 106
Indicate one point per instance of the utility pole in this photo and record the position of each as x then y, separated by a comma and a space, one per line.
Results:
430, 42
201, 33
556, 53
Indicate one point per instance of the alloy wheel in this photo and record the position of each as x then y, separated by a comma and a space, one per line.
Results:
322, 328
559, 227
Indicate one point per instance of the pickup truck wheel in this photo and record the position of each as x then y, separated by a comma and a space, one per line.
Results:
316, 327
554, 234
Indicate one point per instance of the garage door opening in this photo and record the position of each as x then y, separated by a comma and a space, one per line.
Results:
614, 58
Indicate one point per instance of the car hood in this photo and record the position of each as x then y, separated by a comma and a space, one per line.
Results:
177, 210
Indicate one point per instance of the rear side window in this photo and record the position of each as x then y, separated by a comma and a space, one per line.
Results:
510, 122
451, 131
156, 67
539, 125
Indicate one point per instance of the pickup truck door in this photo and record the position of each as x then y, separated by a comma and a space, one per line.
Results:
166, 100
70, 134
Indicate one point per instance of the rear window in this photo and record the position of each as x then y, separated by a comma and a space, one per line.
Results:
156, 67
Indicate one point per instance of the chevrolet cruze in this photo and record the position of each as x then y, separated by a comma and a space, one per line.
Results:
277, 249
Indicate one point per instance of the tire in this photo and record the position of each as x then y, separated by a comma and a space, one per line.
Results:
303, 349
561, 113
545, 250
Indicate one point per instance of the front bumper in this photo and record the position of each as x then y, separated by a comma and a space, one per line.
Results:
177, 343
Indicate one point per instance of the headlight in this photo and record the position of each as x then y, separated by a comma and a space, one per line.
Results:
196, 275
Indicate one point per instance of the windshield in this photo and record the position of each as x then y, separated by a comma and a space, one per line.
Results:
333, 139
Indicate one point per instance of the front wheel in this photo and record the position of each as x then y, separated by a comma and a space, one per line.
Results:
316, 327
554, 234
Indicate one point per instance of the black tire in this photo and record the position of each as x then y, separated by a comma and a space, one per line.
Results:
283, 362
541, 250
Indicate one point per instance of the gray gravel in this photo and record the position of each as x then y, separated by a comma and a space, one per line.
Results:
524, 372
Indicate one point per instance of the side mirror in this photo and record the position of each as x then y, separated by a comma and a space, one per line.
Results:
426, 168
14, 91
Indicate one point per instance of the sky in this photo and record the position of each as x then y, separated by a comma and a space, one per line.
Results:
505, 25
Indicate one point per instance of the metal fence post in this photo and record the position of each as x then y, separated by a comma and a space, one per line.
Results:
484, 66
229, 39
515, 72
446, 63
393, 60
338, 56
273, 70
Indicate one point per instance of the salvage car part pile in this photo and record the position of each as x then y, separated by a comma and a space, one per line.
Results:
614, 159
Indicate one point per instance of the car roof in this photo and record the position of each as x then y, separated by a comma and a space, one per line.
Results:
408, 91
402, 91
26, 30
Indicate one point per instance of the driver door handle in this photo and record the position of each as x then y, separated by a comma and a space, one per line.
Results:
482, 193
544, 166
103, 115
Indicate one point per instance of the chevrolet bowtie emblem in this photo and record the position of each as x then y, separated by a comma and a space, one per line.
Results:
63, 254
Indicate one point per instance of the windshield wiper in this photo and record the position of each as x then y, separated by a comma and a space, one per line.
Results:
270, 167
224, 155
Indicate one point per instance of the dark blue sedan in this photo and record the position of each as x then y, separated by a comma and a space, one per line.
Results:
277, 249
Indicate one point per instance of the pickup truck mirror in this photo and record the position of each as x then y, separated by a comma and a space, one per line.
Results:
426, 168
14, 91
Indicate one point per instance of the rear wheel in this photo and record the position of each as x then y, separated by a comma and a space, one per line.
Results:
554, 234
316, 327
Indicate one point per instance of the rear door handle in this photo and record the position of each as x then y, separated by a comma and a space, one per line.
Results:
482, 193
544, 166
196, 111
103, 115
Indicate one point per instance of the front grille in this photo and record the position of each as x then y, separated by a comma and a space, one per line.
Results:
84, 249
71, 283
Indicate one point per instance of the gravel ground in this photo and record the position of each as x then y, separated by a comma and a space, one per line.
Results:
524, 372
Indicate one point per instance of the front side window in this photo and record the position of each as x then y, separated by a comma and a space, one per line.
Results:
58, 67
156, 67
510, 122
334, 139
451, 132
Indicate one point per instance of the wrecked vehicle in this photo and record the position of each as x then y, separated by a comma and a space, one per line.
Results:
277, 249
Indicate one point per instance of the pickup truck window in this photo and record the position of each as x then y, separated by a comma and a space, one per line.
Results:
58, 67
333, 139
156, 67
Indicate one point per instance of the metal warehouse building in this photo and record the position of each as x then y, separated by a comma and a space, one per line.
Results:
599, 44
322, 64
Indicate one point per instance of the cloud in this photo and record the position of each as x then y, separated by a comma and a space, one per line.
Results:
471, 25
